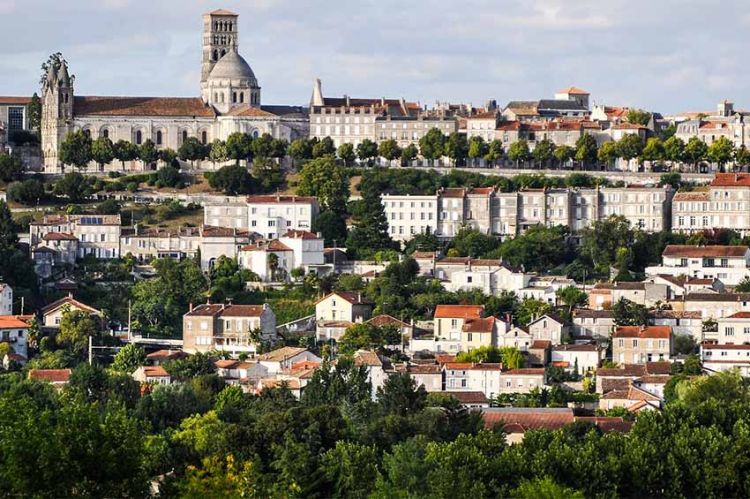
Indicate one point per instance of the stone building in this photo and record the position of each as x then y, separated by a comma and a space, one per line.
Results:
227, 328
229, 102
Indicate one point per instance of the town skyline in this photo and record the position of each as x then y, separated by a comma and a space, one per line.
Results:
583, 46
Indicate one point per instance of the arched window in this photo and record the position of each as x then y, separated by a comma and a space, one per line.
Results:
87, 132
221, 97
65, 98
242, 97
216, 55
234, 97
138, 137
159, 137
204, 137
223, 52
230, 26
184, 135
105, 133
255, 134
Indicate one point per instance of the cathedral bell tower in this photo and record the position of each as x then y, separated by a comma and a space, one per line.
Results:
219, 37
57, 111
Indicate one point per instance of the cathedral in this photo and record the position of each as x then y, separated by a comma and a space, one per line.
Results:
230, 102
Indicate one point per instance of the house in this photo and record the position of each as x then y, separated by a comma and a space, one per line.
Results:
734, 329
653, 383
216, 242
292, 385
476, 333
633, 397
228, 328
623, 376
468, 376
428, 375
492, 277
52, 314
539, 353
375, 367
522, 380
384, 320
729, 264
244, 374
152, 374
595, 323
283, 358
57, 377
96, 235
337, 311
726, 357
714, 305
681, 322
449, 324
15, 332
159, 357
516, 337
549, 327
269, 215
518, 420
471, 400
274, 260
578, 359
637, 345
6, 299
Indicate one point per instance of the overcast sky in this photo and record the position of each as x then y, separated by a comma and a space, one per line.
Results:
664, 55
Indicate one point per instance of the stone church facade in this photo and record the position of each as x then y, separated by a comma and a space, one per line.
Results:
230, 102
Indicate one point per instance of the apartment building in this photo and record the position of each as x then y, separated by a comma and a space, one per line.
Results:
724, 204
491, 276
270, 216
638, 345
726, 122
729, 264
726, 357
508, 214
156, 242
449, 325
96, 235
734, 329
296, 249
227, 328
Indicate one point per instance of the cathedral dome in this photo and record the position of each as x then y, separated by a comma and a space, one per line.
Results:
232, 67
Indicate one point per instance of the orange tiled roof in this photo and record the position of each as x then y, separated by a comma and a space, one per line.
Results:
528, 419
142, 106
715, 251
485, 325
459, 311
573, 91
51, 375
731, 180
20, 101
12, 322
643, 332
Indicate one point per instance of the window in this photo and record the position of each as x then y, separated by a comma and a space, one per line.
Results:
729, 331
15, 118
204, 137
184, 135
138, 137
159, 138
105, 133
454, 322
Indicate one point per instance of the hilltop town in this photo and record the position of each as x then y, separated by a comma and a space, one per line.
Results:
369, 296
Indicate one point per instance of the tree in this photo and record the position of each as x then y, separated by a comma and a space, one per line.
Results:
519, 152
129, 358
586, 149
263, 146
600, 242
218, 152
545, 488
168, 156
674, 149
389, 150
638, 117
544, 152
367, 150
495, 152
331, 225
238, 146
473, 243
367, 336
721, 151
148, 153
630, 147
654, 150
324, 147
563, 154
743, 286
74, 186
432, 145
268, 174
607, 153
401, 395
628, 313
28, 192
108, 207
75, 149
346, 153
125, 151
102, 151
422, 242
168, 176
409, 154
456, 148
351, 468
232, 180
673, 178
478, 149
199, 364
10, 167
572, 297
192, 150
301, 149
485, 354
326, 180
370, 231
695, 151
76, 327
34, 111
531, 309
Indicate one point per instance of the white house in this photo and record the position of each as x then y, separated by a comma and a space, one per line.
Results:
15, 332
283, 358
593, 323
490, 276
373, 364
734, 329
428, 375
6, 299
729, 264
471, 377
549, 327
522, 380
52, 314
726, 357
295, 249
580, 358
274, 215
152, 374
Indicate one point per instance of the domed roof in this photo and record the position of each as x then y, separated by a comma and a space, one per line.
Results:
233, 67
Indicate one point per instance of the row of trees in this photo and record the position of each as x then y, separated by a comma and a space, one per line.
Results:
78, 150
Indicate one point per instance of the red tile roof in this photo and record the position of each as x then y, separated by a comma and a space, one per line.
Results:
663, 332
525, 371
70, 302
469, 397
167, 354
528, 419
19, 101
486, 325
59, 236
142, 106
266, 199
627, 370
716, 251
459, 366
225, 310
444, 358
301, 234
573, 91
155, 372
541, 344
731, 180
51, 375
12, 322
387, 320
353, 298
459, 311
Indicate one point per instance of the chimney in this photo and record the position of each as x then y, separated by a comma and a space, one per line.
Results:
190, 307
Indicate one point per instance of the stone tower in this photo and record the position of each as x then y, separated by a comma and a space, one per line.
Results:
57, 110
219, 37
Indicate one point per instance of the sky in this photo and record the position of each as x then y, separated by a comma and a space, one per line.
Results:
663, 55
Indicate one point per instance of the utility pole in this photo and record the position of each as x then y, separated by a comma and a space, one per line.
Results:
91, 350
130, 333
23, 304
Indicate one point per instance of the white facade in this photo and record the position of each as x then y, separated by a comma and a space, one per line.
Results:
410, 215
729, 264
726, 357
6, 299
